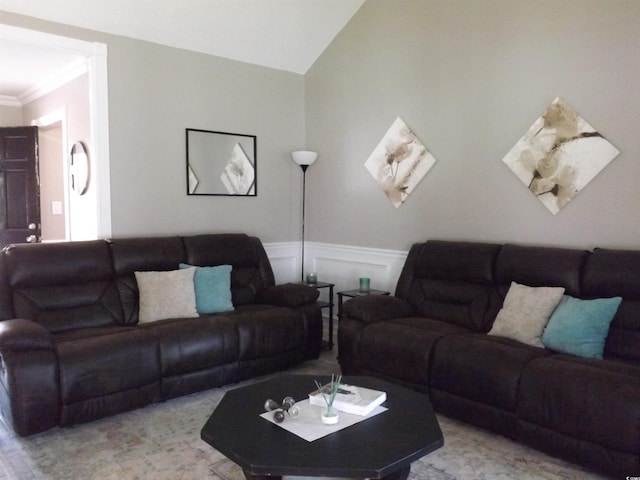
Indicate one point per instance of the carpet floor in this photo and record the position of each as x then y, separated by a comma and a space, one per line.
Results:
162, 441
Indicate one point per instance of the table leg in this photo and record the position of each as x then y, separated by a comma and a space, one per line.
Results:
249, 476
331, 318
401, 474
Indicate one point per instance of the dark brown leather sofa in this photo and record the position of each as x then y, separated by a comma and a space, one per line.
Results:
432, 336
72, 350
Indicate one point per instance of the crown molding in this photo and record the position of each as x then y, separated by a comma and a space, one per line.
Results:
9, 101
69, 72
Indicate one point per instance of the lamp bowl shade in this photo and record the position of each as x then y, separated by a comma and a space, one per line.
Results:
304, 157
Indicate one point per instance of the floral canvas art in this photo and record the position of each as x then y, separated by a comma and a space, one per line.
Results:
559, 155
399, 162
238, 175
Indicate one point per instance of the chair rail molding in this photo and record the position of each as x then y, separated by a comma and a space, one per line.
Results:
339, 264
285, 260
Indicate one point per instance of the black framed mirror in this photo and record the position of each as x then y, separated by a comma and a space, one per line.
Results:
221, 163
79, 168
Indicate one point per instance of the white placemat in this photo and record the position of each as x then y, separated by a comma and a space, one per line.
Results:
308, 424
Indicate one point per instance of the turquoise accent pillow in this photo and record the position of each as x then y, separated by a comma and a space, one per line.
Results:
580, 327
213, 288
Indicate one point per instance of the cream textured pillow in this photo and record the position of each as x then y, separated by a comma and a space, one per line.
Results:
525, 313
166, 295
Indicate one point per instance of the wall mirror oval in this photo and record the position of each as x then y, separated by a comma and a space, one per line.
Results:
79, 168
220, 163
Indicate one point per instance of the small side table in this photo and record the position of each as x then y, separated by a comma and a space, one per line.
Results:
326, 344
355, 293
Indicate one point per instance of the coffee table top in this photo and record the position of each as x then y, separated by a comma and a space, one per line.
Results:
374, 448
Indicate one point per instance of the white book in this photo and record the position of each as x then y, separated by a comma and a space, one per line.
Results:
350, 399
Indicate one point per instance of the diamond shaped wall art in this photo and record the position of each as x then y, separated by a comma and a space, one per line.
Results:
399, 162
239, 175
559, 155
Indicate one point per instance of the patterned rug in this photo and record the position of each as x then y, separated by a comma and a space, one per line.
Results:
162, 441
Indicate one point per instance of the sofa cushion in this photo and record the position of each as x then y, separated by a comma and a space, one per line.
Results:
481, 368
450, 281
63, 286
166, 295
592, 400
401, 348
93, 366
212, 288
525, 312
194, 344
580, 327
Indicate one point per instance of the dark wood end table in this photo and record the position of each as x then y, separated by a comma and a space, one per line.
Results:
379, 447
326, 344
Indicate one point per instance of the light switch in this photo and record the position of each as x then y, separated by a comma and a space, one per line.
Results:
56, 207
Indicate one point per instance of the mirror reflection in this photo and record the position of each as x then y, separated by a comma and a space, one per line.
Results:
220, 163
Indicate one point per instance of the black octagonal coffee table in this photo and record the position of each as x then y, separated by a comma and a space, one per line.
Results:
382, 446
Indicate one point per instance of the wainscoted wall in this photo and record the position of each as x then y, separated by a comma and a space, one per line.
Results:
339, 264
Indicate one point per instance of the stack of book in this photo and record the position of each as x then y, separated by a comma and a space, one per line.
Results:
350, 399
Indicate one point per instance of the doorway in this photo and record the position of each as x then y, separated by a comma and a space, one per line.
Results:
54, 211
99, 199
19, 186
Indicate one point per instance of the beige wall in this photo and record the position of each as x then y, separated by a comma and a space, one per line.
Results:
10, 116
470, 77
155, 92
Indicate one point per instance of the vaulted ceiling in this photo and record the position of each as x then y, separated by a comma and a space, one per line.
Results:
282, 34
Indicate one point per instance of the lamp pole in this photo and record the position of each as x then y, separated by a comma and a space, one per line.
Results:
304, 196
303, 158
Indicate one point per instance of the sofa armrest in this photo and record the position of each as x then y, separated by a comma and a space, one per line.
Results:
376, 308
290, 295
29, 377
21, 334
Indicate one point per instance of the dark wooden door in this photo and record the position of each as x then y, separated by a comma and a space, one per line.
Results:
19, 186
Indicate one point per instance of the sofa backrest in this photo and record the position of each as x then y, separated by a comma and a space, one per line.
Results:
612, 273
70, 285
141, 255
451, 281
539, 267
251, 270
465, 283
62, 286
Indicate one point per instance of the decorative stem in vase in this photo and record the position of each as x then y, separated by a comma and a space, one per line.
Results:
330, 416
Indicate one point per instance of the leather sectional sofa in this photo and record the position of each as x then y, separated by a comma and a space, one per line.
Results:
432, 335
72, 349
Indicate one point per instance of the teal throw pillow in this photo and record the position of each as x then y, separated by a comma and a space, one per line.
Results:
213, 288
580, 327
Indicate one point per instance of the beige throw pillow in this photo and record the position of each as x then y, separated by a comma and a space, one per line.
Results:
525, 313
166, 295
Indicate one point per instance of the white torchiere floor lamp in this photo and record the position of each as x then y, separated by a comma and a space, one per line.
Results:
304, 158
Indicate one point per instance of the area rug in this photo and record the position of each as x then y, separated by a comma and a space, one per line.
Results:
162, 441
